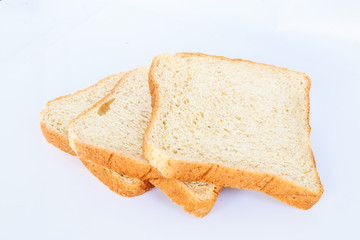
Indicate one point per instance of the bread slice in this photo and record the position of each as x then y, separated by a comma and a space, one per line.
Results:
111, 134
232, 123
54, 120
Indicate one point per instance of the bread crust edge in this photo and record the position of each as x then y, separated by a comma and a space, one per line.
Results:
181, 195
174, 190
56, 139
116, 162
116, 183
109, 180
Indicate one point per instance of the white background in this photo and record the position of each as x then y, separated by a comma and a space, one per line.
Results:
52, 48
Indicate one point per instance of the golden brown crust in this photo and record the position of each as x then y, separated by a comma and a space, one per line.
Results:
116, 162
180, 194
117, 183
56, 139
110, 178
270, 184
131, 167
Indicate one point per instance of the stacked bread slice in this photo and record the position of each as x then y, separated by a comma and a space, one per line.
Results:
190, 124
107, 137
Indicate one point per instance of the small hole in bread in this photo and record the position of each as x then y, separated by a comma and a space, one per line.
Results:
105, 107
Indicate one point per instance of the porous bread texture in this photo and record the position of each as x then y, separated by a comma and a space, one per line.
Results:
54, 120
59, 112
111, 134
117, 123
118, 183
233, 123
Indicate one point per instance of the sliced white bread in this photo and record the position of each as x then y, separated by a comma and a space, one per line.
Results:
111, 134
232, 123
54, 120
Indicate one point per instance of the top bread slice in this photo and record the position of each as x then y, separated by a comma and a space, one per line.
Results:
111, 134
233, 123
54, 120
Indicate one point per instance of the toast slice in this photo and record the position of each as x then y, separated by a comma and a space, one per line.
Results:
111, 134
54, 120
232, 123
